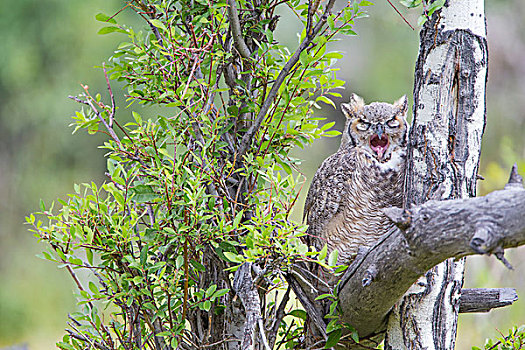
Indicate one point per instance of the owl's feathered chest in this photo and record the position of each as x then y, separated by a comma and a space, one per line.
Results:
379, 183
346, 198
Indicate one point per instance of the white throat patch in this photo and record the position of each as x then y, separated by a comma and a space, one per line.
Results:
394, 163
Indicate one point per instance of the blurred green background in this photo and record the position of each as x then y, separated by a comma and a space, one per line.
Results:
48, 48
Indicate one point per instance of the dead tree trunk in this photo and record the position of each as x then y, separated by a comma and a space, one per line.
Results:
445, 140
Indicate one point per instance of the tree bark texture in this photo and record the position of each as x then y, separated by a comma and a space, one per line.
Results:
445, 141
429, 234
485, 299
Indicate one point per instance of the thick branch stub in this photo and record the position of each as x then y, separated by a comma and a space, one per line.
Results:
515, 179
400, 217
485, 299
481, 241
500, 255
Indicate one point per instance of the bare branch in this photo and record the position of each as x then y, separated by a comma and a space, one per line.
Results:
312, 311
79, 336
112, 97
279, 314
235, 26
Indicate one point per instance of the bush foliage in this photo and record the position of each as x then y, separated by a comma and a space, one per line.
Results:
204, 187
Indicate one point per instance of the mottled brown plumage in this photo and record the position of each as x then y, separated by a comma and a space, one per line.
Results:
351, 187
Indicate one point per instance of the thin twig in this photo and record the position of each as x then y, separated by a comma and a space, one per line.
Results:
97, 113
399, 13
112, 97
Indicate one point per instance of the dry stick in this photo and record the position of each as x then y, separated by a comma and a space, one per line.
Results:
311, 310
247, 138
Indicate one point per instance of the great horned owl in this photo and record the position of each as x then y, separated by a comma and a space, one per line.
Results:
348, 191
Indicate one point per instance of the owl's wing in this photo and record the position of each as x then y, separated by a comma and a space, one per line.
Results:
327, 192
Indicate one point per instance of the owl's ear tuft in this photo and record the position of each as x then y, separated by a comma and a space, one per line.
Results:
351, 108
401, 105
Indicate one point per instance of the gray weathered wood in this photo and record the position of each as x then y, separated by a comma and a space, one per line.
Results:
429, 234
485, 299
444, 148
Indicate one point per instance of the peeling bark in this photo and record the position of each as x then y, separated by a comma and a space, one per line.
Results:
445, 142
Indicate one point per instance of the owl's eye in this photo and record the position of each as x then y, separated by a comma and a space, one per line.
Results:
393, 123
362, 125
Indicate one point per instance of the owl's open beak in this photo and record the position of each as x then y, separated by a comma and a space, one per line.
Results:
379, 143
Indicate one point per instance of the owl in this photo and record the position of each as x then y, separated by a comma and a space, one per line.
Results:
343, 208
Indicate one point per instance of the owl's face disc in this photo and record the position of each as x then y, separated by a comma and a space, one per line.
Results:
379, 129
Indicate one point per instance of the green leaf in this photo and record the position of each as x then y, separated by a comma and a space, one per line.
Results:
89, 234
299, 314
335, 54
93, 288
206, 305
144, 193
331, 133
332, 326
144, 255
333, 339
232, 257
304, 58
157, 23
326, 100
237, 219
324, 296
322, 253
332, 258
89, 256
210, 290
107, 30
118, 197
105, 18
221, 292
354, 334
129, 301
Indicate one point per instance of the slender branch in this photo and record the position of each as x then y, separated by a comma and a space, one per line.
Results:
78, 336
310, 308
97, 113
112, 97
247, 138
